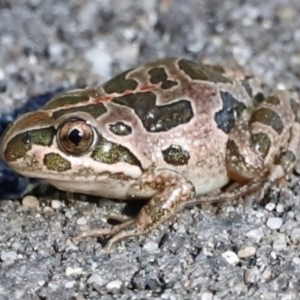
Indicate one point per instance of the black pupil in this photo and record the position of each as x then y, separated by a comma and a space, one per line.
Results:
75, 137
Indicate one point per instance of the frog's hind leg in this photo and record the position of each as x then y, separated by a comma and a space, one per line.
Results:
172, 190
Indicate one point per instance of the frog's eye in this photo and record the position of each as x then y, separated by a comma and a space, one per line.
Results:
75, 136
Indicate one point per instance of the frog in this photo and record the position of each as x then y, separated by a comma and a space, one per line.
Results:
172, 133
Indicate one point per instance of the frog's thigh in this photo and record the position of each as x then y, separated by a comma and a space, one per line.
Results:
287, 160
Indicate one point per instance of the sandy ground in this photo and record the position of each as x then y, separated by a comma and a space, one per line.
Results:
240, 250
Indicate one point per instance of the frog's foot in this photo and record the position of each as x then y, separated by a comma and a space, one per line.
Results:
173, 190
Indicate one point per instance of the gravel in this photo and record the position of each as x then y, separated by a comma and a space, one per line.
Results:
239, 250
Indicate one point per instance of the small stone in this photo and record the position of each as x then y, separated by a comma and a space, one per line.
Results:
288, 225
280, 208
82, 221
114, 285
279, 243
247, 252
56, 204
231, 257
274, 223
256, 234
151, 247
273, 255
270, 206
96, 279
9, 256
251, 275
295, 236
207, 296
30, 201
266, 274
296, 260
73, 271
70, 284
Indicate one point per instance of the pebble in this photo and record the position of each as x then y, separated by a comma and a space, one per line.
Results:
270, 206
114, 285
9, 256
82, 221
207, 296
288, 225
56, 204
256, 234
70, 284
251, 275
151, 247
30, 201
266, 274
295, 236
247, 252
96, 279
296, 260
274, 223
279, 243
280, 208
73, 271
231, 257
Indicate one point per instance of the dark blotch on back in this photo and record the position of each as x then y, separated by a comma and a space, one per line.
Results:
286, 160
202, 72
231, 110
119, 84
176, 156
95, 110
296, 109
157, 118
120, 128
268, 117
158, 75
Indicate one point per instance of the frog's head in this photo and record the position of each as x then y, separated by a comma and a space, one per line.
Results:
65, 141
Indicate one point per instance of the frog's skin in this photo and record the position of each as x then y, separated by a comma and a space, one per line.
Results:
167, 131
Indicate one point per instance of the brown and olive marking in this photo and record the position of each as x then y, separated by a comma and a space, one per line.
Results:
268, 117
157, 118
202, 72
120, 128
231, 110
111, 153
286, 160
55, 162
119, 84
94, 110
296, 109
67, 99
273, 100
176, 156
75, 136
22, 143
158, 75
261, 142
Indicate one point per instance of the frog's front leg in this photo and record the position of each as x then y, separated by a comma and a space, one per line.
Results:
172, 189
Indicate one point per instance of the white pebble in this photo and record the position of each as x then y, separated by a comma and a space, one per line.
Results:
116, 284
296, 260
56, 204
151, 247
82, 221
70, 284
73, 271
247, 252
30, 201
231, 258
274, 223
280, 208
256, 234
9, 256
96, 279
270, 206
207, 296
